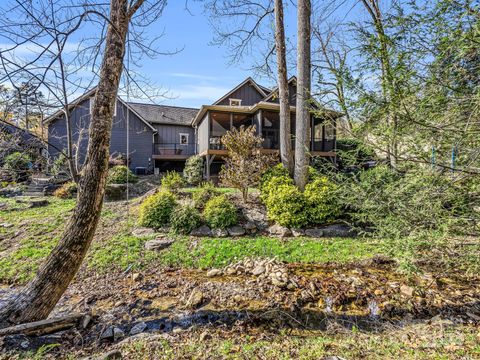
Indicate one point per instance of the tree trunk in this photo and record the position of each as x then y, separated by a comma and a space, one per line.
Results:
39, 297
286, 154
303, 93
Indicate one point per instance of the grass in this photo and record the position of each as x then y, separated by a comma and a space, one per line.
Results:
409, 343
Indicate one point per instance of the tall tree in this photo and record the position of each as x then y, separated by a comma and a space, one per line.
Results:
38, 298
304, 13
286, 154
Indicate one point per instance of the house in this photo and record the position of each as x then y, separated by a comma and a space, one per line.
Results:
162, 137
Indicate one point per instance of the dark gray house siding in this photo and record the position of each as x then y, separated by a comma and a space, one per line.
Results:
140, 134
247, 93
169, 137
292, 95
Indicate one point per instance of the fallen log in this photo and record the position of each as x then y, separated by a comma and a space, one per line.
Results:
43, 327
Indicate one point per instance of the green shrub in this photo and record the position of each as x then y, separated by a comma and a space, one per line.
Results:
172, 181
66, 191
205, 192
184, 219
275, 171
18, 165
220, 213
60, 165
272, 179
287, 206
193, 171
320, 198
156, 210
353, 152
121, 174
398, 205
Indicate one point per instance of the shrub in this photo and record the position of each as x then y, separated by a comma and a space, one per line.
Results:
204, 193
220, 213
286, 206
244, 164
172, 181
275, 171
121, 174
193, 171
18, 165
320, 198
353, 152
156, 210
66, 191
184, 219
60, 165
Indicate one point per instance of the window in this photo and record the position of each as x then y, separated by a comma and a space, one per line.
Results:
183, 139
235, 102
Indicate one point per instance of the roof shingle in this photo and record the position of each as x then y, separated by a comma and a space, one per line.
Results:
163, 114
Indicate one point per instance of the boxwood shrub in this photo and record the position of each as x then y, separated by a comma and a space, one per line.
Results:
121, 174
184, 219
220, 213
321, 200
287, 206
156, 210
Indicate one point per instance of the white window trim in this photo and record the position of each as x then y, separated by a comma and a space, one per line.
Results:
183, 134
234, 100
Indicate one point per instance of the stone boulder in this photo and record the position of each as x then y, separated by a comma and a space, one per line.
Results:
279, 230
236, 230
338, 230
314, 232
220, 233
203, 230
158, 244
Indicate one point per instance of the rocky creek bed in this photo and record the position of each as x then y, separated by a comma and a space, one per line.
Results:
253, 296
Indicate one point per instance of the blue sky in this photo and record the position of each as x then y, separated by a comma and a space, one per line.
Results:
200, 73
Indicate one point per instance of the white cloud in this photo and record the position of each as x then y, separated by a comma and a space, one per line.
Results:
193, 76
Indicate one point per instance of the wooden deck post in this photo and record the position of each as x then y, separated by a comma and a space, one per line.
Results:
208, 167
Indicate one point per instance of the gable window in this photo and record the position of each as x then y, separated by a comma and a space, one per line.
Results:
183, 139
235, 102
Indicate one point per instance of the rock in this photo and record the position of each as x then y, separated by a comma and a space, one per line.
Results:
137, 277
221, 233
250, 226
256, 216
236, 230
85, 321
177, 330
214, 272
195, 299
278, 230
298, 232
338, 230
203, 230
138, 328
278, 282
315, 232
158, 244
118, 334
406, 290
116, 192
111, 355
238, 298
230, 271
258, 270
6, 225
38, 203
141, 232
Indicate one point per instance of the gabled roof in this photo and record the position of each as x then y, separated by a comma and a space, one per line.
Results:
261, 89
72, 104
163, 114
274, 92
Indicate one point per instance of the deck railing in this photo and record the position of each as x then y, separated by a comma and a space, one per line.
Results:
174, 149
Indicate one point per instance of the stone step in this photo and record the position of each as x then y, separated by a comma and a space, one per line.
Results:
33, 193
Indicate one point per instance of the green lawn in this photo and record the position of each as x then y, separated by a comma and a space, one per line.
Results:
41, 228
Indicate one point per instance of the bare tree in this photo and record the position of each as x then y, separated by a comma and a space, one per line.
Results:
303, 92
37, 299
286, 154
